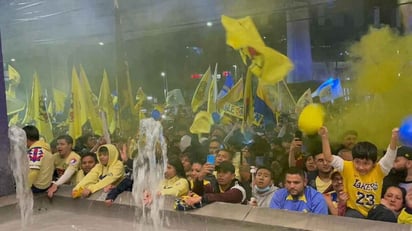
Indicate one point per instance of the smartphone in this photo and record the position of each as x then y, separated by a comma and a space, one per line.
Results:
211, 159
298, 134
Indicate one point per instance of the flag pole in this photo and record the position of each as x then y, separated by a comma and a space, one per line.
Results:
44, 99
289, 93
215, 88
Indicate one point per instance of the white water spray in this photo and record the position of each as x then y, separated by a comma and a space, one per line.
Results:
19, 163
149, 172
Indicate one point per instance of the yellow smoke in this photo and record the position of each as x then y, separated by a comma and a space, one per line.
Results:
381, 66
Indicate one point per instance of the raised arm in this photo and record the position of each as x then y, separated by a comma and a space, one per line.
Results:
295, 148
335, 161
386, 162
324, 135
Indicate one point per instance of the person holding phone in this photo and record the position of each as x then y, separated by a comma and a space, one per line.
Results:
229, 189
295, 152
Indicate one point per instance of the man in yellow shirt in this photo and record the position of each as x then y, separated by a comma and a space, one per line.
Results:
40, 161
66, 163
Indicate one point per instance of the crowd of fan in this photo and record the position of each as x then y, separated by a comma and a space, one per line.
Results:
293, 172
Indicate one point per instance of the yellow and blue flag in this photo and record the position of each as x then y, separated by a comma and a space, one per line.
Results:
235, 94
262, 108
226, 86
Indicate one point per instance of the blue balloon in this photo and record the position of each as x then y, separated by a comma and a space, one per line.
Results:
405, 132
156, 115
216, 118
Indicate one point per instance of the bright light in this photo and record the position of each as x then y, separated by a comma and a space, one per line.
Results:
163, 74
209, 24
13, 59
101, 43
149, 97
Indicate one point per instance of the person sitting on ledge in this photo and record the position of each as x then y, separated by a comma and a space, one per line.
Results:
391, 204
263, 188
66, 163
405, 217
87, 162
229, 188
41, 166
296, 196
108, 171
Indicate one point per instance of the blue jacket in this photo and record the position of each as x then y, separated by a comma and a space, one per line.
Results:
310, 202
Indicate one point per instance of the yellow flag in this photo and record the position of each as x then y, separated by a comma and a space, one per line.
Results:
241, 33
106, 102
201, 94
37, 112
14, 119
267, 64
140, 96
201, 123
14, 80
78, 112
92, 106
59, 98
13, 74
235, 94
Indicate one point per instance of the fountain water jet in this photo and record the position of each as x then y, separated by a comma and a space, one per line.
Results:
19, 163
148, 171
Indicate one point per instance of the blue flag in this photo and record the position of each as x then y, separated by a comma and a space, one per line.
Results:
226, 87
329, 90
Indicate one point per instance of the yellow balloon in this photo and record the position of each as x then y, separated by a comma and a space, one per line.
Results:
311, 119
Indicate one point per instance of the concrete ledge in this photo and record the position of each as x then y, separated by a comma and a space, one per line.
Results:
211, 217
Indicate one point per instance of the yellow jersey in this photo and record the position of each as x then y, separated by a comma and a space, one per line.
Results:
364, 191
41, 160
72, 161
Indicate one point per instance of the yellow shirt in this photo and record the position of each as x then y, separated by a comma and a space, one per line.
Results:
321, 185
363, 191
72, 161
79, 176
174, 187
404, 217
103, 175
41, 164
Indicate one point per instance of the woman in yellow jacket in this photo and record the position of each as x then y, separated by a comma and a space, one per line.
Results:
108, 171
175, 182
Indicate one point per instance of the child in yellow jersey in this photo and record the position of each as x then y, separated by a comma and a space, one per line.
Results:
175, 182
362, 177
108, 171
